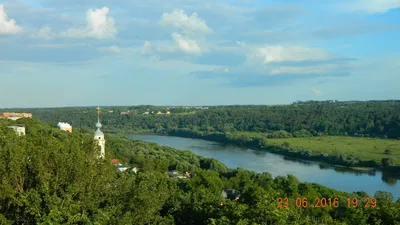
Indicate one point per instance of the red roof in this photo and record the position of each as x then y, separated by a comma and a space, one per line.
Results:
115, 161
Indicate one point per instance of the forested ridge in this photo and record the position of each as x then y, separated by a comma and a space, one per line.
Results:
258, 126
367, 119
53, 177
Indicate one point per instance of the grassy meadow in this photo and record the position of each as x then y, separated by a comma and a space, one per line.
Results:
365, 148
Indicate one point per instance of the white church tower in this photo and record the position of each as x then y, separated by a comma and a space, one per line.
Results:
99, 136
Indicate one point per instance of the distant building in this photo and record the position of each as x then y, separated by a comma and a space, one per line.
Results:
122, 168
168, 113
133, 169
124, 113
159, 113
146, 113
115, 161
174, 174
231, 194
19, 129
64, 126
15, 116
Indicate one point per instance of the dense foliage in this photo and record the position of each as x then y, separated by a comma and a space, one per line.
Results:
53, 177
370, 119
254, 125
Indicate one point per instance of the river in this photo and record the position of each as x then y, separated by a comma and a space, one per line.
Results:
277, 165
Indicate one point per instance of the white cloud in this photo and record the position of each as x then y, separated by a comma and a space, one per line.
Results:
179, 19
226, 70
372, 6
8, 26
187, 45
316, 69
114, 48
278, 53
44, 33
99, 26
316, 92
241, 44
147, 49
64, 45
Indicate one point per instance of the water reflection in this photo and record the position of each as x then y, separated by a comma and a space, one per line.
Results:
258, 153
344, 170
390, 178
324, 166
300, 161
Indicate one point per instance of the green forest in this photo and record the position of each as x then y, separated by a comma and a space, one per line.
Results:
303, 130
54, 177
358, 119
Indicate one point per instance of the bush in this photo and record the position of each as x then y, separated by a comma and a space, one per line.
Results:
387, 162
286, 144
387, 151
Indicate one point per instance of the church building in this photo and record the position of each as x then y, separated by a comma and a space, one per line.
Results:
99, 136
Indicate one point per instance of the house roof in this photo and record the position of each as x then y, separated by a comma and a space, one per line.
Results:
115, 161
230, 193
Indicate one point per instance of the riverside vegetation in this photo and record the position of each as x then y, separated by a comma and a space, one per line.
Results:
53, 177
351, 134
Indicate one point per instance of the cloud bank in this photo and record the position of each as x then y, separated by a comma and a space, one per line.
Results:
8, 26
99, 25
371, 6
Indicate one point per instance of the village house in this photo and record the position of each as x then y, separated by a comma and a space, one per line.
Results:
19, 129
122, 168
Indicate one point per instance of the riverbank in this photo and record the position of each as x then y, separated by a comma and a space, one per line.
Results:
361, 154
355, 153
337, 177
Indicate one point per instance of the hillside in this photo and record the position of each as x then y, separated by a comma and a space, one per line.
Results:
53, 177
379, 119
351, 134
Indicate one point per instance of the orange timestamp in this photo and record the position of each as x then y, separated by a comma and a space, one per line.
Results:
326, 203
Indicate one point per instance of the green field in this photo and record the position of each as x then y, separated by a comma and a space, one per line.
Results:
365, 148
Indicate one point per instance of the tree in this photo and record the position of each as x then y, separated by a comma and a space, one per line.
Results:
49, 177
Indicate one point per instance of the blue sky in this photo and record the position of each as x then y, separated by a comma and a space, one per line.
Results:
188, 52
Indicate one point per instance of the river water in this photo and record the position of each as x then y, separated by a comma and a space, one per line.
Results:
305, 171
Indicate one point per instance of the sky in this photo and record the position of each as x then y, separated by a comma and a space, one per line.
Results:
57, 53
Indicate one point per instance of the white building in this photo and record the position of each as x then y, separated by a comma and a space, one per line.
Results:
64, 126
121, 167
99, 136
19, 130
